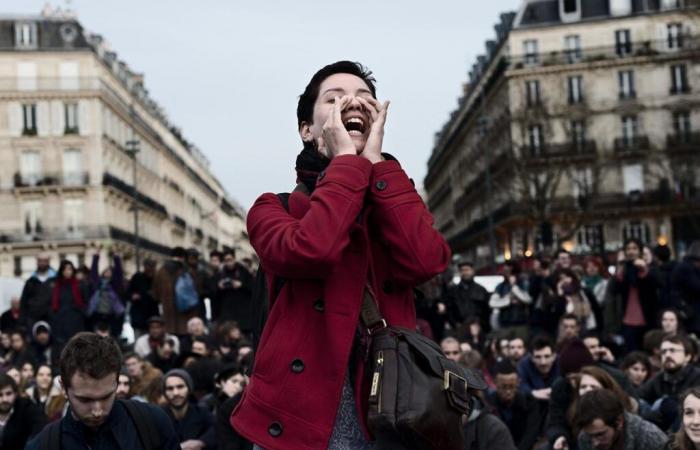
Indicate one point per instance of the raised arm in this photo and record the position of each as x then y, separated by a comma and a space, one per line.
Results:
311, 246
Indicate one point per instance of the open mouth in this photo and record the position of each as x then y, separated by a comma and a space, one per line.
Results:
355, 125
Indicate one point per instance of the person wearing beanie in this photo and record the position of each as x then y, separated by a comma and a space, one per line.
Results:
194, 424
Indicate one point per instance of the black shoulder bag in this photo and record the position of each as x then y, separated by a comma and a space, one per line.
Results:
417, 395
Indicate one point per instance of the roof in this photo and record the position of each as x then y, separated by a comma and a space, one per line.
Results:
546, 12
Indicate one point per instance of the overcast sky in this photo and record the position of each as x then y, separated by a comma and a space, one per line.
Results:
229, 72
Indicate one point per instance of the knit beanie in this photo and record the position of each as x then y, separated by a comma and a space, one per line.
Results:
573, 357
180, 373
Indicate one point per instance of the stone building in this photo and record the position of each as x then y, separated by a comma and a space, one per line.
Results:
71, 115
579, 127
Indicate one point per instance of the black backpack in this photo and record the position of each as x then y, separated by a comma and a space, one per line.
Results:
260, 295
140, 415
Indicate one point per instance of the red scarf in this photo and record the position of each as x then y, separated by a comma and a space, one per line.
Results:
56, 294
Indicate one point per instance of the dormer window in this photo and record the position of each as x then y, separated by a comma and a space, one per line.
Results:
570, 10
25, 35
670, 4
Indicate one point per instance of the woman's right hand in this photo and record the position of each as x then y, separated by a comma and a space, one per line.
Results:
560, 444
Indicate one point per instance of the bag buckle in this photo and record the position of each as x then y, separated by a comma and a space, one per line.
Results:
378, 326
449, 376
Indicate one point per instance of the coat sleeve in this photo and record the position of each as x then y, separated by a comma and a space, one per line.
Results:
557, 424
418, 252
311, 247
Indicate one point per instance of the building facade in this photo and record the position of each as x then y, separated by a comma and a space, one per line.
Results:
82, 144
578, 128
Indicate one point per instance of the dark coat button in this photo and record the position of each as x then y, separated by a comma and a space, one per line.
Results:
388, 287
275, 429
297, 366
321, 175
320, 305
381, 185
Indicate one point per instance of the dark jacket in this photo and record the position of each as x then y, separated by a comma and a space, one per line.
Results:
486, 432
686, 291
35, 302
8, 321
557, 423
146, 306
466, 299
531, 379
618, 295
26, 421
671, 385
70, 317
164, 292
118, 432
227, 437
523, 418
231, 303
198, 424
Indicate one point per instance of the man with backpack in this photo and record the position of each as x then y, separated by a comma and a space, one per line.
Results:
89, 368
174, 288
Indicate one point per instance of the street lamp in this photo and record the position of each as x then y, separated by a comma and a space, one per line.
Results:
132, 148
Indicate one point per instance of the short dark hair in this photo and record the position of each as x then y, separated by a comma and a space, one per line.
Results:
203, 340
561, 250
216, 253
91, 354
539, 342
683, 340
178, 252
634, 358
6, 380
663, 252
465, 263
228, 251
600, 404
305, 107
504, 367
130, 355
637, 242
570, 316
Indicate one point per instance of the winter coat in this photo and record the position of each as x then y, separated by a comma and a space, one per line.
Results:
233, 304
531, 379
69, 319
146, 306
198, 423
639, 435
467, 299
227, 437
485, 431
26, 421
512, 302
671, 385
523, 418
35, 302
164, 292
686, 291
364, 224
119, 431
618, 295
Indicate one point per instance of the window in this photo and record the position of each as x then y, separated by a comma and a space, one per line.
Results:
29, 119
626, 82
535, 139
679, 79
572, 44
73, 214
670, 4
532, 93
31, 214
73, 167
632, 178
681, 125
575, 89
636, 229
71, 118
591, 238
570, 6
25, 35
582, 182
623, 42
674, 35
629, 130
530, 50
578, 134
30, 168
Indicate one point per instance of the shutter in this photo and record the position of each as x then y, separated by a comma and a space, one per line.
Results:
57, 118
14, 118
84, 118
43, 118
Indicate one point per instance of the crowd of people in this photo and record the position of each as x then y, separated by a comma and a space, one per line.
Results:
577, 355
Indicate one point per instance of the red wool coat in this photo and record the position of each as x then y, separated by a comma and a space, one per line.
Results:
363, 223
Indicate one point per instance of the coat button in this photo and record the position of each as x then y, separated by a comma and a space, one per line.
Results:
388, 287
321, 175
297, 366
320, 305
381, 185
275, 429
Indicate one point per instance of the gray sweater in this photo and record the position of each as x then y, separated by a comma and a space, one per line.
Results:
639, 435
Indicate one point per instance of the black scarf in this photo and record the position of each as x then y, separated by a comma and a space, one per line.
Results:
310, 162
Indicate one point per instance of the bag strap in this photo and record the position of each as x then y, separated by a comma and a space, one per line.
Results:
369, 313
51, 436
145, 428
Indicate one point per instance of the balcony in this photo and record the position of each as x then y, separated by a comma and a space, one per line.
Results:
683, 143
40, 181
39, 234
606, 53
112, 181
631, 146
567, 152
